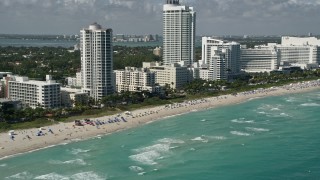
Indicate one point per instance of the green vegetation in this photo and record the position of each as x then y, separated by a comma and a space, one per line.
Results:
133, 56
36, 62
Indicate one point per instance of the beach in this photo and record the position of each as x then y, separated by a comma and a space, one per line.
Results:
32, 139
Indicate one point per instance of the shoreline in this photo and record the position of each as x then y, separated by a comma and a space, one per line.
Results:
64, 133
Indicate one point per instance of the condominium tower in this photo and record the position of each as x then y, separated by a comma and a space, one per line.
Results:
231, 59
179, 25
96, 61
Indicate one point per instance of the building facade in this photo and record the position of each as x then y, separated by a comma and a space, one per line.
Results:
96, 61
231, 58
72, 97
173, 75
299, 51
217, 64
299, 55
179, 26
259, 59
134, 80
45, 94
299, 41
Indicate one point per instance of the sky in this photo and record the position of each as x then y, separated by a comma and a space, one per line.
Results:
214, 17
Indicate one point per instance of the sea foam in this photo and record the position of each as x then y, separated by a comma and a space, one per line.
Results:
257, 129
150, 154
74, 161
52, 176
242, 121
147, 158
156, 147
22, 175
216, 137
78, 151
239, 133
86, 176
200, 139
170, 141
310, 105
136, 168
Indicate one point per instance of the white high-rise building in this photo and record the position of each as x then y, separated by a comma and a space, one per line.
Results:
231, 52
217, 64
96, 61
179, 26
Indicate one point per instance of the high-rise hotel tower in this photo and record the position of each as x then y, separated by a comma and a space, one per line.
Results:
96, 61
179, 26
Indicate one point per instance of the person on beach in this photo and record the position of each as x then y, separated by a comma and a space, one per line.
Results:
12, 137
50, 130
29, 137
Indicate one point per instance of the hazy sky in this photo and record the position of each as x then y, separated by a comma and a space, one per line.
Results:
214, 17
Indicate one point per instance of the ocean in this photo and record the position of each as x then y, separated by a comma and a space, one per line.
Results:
266, 138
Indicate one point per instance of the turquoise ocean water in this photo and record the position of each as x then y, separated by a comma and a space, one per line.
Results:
269, 138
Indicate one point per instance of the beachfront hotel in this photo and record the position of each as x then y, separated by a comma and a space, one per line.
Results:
96, 61
303, 52
173, 75
221, 59
134, 80
45, 94
179, 26
259, 59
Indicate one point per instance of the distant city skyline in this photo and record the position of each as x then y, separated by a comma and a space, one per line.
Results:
214, 17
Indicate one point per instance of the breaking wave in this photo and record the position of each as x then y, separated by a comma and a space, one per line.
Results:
242, 121
78, 151
310, 105
74, 161
52, 176
239, 133
257, 129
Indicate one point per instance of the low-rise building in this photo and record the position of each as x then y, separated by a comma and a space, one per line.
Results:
259, 59
4, 79
157, 51
71, 97
9, 104
134, 80
71, 81
45, 94
173, 75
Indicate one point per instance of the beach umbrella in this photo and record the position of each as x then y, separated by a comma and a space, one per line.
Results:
11, 132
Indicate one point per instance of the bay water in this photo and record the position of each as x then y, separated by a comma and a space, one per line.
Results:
5, 42
264, 138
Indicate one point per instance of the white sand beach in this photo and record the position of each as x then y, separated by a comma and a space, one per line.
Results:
27, 140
